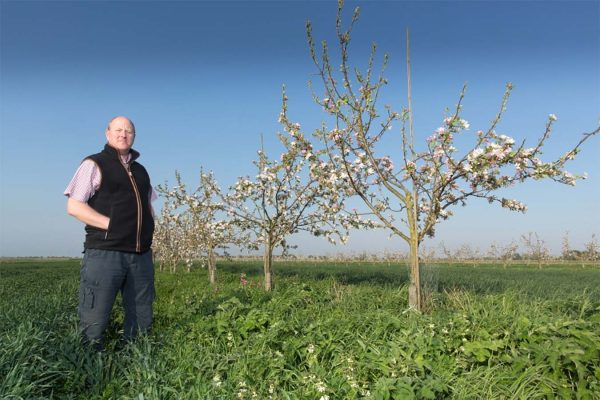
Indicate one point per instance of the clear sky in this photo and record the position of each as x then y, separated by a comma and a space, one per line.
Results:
202, 81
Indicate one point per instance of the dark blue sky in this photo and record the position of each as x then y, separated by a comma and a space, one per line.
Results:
202, 81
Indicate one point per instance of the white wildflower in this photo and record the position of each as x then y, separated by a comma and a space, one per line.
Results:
321, 387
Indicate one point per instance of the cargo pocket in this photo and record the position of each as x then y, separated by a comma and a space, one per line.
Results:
87, 300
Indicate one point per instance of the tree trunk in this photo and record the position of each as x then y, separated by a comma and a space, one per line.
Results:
414, 290
212, 267
268, 266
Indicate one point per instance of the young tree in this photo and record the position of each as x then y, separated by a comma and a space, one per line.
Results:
467, 253
288, 196
173, 244
493, 251
426, 254
537, 249
566, 250
197, 230
413, 194
592, 249
504, 253
164, 243
447, 252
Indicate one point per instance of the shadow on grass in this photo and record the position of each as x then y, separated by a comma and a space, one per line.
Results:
349, 274
545, 283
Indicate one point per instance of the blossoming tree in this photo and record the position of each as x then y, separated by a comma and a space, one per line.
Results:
410, 196
504, 253
592, 249
536, 248
190, 226
290, 195
172, 244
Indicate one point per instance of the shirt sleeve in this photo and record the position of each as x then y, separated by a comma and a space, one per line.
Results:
152, 196
85, 182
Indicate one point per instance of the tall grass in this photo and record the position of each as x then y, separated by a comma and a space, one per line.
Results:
336, 330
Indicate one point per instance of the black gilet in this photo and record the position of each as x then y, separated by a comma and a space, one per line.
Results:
123, 196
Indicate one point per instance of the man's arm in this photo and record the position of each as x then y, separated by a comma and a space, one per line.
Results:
86, 214
152, 196
82, 187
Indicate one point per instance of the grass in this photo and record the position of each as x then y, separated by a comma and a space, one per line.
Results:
328, 329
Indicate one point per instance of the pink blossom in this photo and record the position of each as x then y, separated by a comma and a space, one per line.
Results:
474, 154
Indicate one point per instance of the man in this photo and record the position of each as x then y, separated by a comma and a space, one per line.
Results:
111, 194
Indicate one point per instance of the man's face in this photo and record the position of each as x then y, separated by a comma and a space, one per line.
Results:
120, 134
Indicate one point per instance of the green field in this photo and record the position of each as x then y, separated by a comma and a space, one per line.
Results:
328, 331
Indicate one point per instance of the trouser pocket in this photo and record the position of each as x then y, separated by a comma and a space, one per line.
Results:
87, 298
101, 279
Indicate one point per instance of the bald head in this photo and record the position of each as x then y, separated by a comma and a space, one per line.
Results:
120, 134
121, 118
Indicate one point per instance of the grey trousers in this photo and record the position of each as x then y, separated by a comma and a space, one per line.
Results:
104, 273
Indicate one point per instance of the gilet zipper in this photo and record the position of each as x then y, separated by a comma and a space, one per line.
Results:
138, 245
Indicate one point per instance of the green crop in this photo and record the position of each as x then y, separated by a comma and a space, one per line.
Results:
328, 330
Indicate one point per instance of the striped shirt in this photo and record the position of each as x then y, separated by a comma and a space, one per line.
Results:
86, 181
